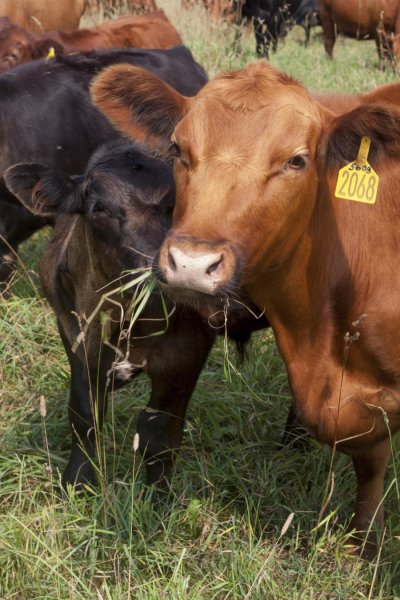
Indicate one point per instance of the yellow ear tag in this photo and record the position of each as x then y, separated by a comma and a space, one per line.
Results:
358, 181
51, 53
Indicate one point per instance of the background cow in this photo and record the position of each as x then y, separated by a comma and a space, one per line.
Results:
110, 221
151, 30
43, 15
256, 165
273, 19
47, 115
370, 19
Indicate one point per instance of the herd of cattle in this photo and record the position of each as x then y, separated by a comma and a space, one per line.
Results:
226, 190
29, 28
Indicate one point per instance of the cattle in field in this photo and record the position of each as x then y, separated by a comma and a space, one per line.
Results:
111, 220
43, 15
272, 19
151, 30
48, 116
256, 167
362, 20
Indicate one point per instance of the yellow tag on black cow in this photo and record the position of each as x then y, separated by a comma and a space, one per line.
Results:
358, 181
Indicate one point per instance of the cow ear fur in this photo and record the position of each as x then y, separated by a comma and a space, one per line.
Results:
41, 48
42, 190
380, 122
139, 104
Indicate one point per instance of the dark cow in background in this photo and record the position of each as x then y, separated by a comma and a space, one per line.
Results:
273, 19
111, 220
257, 161
46, 115
151, 30
367, 20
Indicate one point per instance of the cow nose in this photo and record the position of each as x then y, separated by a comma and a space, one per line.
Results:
198, 271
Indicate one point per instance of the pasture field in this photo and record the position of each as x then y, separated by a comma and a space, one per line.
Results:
245, 518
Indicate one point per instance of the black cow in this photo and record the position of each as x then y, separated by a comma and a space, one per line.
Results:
273, 19
111, 220
46, 116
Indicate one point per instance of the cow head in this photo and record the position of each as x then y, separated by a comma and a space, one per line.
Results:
249, 154
126, 197
15, 45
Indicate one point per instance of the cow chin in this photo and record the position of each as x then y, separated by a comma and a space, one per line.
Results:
206, 304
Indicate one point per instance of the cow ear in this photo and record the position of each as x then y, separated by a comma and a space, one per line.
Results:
42, 48
379, 122
139, 104
42, 190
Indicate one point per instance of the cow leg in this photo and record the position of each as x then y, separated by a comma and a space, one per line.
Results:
307, 30
295, 435
329, 30
262, 40
16, 225
87, 407
7, 266
370, 470
86, 411
174, 373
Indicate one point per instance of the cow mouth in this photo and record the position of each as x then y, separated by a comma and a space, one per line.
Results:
197, 272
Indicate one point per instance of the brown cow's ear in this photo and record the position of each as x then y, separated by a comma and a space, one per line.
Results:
139, 104
379, 122
42, 190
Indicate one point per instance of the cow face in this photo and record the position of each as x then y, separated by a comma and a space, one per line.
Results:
244, 164
15, 45
126, 197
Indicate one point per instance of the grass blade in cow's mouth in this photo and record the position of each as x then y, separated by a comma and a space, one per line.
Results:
144, 285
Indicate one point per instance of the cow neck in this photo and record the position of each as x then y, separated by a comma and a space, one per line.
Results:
105, 262
297, 298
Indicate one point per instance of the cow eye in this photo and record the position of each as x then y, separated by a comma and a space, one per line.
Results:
297, 162
98, 207
137, 167
174, 150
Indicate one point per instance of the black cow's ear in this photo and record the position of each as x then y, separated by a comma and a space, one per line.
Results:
42, 190
139, 104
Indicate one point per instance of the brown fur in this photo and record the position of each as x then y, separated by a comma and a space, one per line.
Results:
151, 30
43, 15
319, 266
360, 19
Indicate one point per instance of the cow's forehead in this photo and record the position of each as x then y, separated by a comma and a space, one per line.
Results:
244, 104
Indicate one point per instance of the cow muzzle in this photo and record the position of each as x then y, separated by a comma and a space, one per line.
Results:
206, 267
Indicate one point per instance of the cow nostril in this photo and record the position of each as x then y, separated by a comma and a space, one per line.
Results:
214, 266
171, 261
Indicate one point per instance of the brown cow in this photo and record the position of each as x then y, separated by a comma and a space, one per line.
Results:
43, 15
257, 159
360, 19
151, 30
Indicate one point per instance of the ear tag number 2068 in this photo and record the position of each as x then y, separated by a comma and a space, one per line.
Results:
358, 181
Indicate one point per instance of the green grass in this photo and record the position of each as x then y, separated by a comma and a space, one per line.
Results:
220, 535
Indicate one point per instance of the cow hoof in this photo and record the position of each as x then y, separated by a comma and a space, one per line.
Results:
362, 545
81, 479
